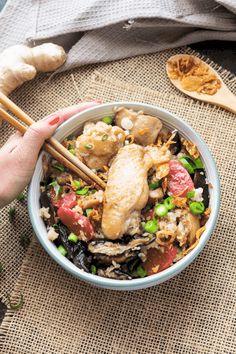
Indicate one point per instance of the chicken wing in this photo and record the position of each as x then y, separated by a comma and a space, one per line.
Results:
143, 127
126, 192
99, 143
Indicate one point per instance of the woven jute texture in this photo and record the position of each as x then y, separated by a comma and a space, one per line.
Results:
45, 95
192, 313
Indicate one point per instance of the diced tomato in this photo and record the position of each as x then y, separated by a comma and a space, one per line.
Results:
179, 181
68, 200
75, 222
158, 261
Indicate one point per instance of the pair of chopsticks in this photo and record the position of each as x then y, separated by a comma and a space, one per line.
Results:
51, 146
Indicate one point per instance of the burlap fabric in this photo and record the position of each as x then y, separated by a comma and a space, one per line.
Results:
192, 313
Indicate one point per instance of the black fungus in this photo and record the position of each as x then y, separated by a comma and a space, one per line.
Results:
63, 239
46, 202
176, 146
81, 257
200, 182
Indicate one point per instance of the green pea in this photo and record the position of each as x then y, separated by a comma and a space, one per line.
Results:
108, 120
62, 250
168, 203
160, 210
151, 226
197, 207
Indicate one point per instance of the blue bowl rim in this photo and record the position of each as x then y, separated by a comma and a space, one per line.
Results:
153, 279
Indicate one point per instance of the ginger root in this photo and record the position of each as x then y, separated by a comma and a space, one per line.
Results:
21, 63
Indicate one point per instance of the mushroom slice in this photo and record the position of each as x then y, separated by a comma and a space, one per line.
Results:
123, 258
114, 274
111, 249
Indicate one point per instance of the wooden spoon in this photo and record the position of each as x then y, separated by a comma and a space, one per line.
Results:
223, 97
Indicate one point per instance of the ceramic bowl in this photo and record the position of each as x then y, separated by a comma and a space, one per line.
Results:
75, 125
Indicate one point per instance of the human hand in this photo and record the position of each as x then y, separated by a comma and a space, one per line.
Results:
19, 155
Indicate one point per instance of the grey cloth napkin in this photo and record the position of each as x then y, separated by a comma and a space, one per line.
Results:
102, 30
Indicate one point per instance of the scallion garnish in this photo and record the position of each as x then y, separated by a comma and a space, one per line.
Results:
59, 167
88, 146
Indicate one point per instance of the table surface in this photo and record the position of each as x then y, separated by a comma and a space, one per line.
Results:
223, 53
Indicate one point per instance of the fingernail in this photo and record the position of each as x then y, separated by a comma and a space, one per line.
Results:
54, 121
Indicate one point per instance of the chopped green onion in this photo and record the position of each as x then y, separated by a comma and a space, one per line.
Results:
57, 188
71, 146
197, 207
12, 214
141, 272
168, 202
93, 269
160, 210
72, 151
83, 191
187, 163
107, 120
154, 185
198, 163
104, 137
88, 211
73, 237
17, 306
151, 226
53, 184
77, 184
21, 197
62, 250
190, 194
88, 146
59, 167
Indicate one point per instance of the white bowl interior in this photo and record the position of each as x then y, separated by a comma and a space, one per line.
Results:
75, 126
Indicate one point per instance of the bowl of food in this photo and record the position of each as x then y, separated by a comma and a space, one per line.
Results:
157, 211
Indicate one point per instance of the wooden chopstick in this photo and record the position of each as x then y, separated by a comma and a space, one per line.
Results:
52, 146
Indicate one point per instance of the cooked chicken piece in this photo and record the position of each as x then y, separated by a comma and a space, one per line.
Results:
143, 127
99, 143
126, 192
